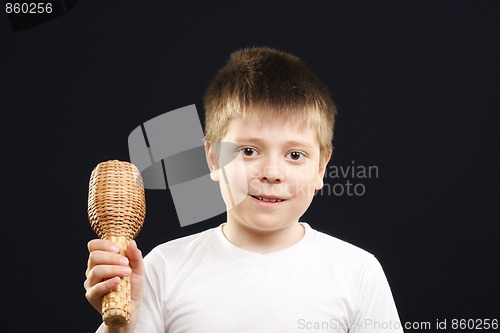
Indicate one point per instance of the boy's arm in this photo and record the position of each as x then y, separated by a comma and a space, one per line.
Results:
107, 329
376, 309
104, 269
150, 317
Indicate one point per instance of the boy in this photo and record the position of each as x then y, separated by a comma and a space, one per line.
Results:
262, 270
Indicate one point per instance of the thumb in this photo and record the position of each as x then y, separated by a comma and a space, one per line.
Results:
134, 256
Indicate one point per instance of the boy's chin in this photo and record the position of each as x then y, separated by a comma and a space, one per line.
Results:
262, 222
271, 227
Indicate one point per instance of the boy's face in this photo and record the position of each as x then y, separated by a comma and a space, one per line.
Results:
272, 175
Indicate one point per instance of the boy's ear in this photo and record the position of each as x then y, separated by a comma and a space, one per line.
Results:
323, 162
212, 162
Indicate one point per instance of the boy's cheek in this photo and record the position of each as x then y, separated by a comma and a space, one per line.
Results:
305, 189
233, 182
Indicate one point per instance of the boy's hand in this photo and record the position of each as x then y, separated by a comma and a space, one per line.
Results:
106, 266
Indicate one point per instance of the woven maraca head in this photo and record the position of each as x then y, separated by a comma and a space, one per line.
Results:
116, 203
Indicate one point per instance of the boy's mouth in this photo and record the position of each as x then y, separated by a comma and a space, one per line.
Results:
267, 199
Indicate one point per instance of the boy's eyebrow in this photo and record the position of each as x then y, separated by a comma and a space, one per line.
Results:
249, 139
293, 143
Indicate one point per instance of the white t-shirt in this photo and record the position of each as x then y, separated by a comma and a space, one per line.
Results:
202, 283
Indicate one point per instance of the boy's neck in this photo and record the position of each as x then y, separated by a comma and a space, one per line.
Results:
263, 241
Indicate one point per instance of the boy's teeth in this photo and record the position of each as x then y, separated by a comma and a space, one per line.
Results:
268, 200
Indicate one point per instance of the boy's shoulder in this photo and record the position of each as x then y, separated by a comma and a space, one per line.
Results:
185, 243
338, 257
328, 240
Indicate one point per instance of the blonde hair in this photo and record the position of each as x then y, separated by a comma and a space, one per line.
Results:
274, 86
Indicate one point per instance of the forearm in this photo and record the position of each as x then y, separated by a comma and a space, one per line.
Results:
129, 328
124, 329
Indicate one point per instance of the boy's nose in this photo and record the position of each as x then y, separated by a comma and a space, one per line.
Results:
272, 172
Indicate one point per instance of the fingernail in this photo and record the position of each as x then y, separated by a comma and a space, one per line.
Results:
124, 261
115, 248
126, 270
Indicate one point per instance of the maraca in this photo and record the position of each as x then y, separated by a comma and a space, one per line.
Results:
116, 210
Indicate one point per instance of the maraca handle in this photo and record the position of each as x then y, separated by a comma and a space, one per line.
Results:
116, 303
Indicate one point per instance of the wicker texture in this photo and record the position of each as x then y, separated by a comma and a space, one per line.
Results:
116, 209
116, 304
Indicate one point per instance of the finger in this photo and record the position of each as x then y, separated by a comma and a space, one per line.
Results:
95, 293
102, 245
105, 258
135, 257
104, 272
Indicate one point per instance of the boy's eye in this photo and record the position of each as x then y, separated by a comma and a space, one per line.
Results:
247, 151
295, 155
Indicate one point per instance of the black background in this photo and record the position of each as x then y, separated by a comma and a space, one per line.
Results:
417, 85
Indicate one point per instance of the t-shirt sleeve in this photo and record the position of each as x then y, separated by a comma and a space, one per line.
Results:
376, 309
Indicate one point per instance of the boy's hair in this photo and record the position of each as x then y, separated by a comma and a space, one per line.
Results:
273, 85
